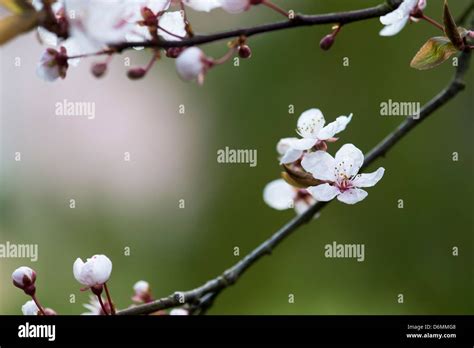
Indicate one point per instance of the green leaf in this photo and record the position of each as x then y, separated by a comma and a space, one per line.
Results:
451, 29
434, 52
15, 25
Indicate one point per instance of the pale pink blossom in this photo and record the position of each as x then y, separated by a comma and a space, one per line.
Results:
94, 272
340, 175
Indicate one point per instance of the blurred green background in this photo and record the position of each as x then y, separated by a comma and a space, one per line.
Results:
135, 204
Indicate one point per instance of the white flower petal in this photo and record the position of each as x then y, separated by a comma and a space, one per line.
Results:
172, 22
30, 308
190, 63
395, 28
96, 271
352, 196
235, 6
349, 159
323, 192
290, 156
77, 269
279, 195
310, 123
368, 180
320, 164
47, 37
303, 144
393, 17
302, 205
202, 5
158, 5
334, 127
284, 145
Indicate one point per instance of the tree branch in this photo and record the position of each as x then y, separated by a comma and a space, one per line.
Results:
298, 21
208, 292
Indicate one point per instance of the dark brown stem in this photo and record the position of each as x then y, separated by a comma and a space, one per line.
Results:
109, 299
274, 7
299, 21
102, 305
40, 307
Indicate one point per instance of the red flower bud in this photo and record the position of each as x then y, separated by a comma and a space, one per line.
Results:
245, 52
136, 73
327, 42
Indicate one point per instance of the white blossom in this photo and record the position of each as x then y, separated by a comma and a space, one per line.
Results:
96, 23
340, 175
396, 20
30, 308
280, 195
311, 127
94, 272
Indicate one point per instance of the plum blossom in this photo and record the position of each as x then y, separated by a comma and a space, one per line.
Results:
396, 20
30, 308
280, 195
193, 64
340, 175
150, 16
96, 23
94, 272
310, 127
54, 62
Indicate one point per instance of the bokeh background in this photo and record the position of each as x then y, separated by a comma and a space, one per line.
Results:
173, 156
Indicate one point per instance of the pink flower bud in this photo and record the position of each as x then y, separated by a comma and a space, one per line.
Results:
99, 69
327, 42
136, 73
24, 278
245, 52
142, 292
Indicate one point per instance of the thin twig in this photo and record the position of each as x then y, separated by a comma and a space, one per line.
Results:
298, 21
231, 275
